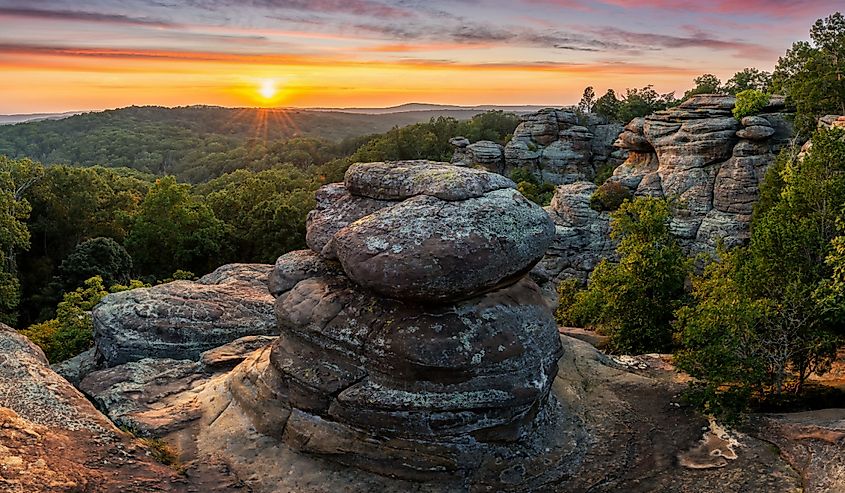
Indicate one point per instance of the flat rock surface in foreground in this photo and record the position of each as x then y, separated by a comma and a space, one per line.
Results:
617, 429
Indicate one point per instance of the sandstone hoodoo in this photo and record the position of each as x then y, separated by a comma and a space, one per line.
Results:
383, 365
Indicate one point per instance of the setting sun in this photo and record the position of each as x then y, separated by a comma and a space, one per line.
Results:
268, 89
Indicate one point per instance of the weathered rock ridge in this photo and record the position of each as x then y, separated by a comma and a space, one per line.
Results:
697, 154
182, 319
558, 146
53, 439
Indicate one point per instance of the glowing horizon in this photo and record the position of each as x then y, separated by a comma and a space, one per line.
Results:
58, 56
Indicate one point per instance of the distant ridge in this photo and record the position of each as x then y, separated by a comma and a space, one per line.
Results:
452, 110
36, 117
408, 107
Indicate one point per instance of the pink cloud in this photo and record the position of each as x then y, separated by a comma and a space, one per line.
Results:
778, 8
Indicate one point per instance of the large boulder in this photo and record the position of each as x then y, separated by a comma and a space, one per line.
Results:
400, 180
182, 319
430, 347
430, 249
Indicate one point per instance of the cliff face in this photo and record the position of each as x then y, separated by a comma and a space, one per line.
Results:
556, 145
697, 154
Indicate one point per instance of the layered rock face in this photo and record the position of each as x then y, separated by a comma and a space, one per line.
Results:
557, 146
182, 319
696, 153
411, 341
713, 164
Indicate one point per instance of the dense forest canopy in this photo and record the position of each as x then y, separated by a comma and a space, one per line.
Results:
198, 143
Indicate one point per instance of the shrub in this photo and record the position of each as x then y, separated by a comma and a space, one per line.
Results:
533, 189
72, 331
102, 257
609, 196
750, 102
567, 292
633, 301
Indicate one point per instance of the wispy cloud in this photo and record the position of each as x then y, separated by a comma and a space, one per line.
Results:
354, 7
83, 16
770, 8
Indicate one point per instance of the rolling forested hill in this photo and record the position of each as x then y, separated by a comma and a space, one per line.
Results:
197, 143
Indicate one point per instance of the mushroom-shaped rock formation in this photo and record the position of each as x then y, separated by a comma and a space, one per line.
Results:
425, 348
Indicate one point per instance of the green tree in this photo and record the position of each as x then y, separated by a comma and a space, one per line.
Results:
266, 211
101, 257
773, 309
633, 301
608, 105
175, 230
704, 84
749, 102
588, 100
16, 177
749, 78
812, 75
69, 206
642, 102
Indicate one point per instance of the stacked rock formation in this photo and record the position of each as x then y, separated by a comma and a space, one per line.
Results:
411, 340
559, 146
697, 153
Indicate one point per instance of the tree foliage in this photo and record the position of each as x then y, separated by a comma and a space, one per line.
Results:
175, 229
704, 84
768, 316
749, 102
102, 257
16, 177
812, 74
635, 103
265, 211
746, 79
633, 301
72, 331
588, 100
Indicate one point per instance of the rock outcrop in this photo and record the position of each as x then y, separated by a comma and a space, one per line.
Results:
482, 154
53, 439
423, 347
182, 319
558, 146
697, 154
582, 238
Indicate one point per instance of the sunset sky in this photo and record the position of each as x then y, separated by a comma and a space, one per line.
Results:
61, 56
